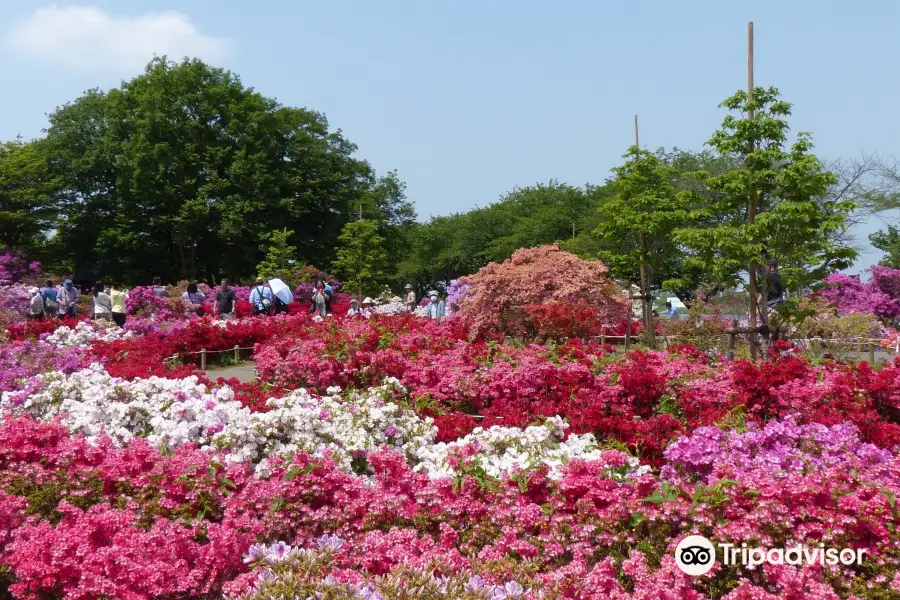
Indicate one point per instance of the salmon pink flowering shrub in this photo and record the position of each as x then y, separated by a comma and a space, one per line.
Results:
499, 293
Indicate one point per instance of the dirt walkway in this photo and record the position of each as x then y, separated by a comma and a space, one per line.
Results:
244, 372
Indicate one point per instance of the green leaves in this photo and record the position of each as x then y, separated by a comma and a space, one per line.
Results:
796, 221
280, 258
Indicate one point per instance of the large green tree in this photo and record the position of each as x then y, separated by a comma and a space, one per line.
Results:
888, 241
281, 257
775, 205
27, 207
183, 172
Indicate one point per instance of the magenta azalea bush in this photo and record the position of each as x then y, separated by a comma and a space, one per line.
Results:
880, 295
15, 266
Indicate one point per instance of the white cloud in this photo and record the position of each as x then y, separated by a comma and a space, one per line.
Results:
87, 38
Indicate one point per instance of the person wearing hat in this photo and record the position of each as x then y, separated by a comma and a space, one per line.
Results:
355, 310
368, 307
410, 298
436, 306
67, 299
36, 304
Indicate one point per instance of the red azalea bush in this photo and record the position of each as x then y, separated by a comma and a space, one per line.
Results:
643, 400
562, 320
499, 294
32, 330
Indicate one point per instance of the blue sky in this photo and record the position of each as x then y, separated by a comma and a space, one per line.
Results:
469, 99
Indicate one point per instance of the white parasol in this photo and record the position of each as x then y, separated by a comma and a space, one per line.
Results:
281, 290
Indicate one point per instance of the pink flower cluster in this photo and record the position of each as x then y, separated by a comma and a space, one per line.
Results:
83, 521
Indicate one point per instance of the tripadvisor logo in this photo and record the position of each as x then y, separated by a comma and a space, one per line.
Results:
696, 555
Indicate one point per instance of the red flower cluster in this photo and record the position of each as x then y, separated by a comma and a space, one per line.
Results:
32, 330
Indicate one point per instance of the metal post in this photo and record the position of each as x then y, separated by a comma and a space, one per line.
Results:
237, 353
203, 359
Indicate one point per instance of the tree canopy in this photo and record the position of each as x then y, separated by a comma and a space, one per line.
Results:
183, 172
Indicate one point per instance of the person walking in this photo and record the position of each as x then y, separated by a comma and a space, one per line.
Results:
35, 304
225, 301
671, 311
261, 298
410, 298
102, 303
368, 307
50, 296
436, 306
119, 303
68, 299
774, 285
193, 299
329, 294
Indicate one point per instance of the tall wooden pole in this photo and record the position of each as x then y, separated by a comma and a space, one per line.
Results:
645, 283
751, 207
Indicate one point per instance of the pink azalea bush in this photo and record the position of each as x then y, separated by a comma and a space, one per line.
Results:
134, 523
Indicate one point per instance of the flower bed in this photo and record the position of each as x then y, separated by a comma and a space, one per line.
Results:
393, 458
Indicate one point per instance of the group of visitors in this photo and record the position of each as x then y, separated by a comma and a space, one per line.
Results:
62, 301
109, 302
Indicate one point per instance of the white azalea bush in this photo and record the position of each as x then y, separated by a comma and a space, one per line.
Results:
172, 412
504, 450
84, 333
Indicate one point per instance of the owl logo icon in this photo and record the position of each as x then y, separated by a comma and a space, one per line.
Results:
695, 555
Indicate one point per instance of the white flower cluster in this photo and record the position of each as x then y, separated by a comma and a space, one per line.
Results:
392, 306
84, 333
348, 426
397, 306
172, 412
504, 450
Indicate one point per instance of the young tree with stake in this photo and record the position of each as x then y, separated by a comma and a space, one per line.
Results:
640, 219
775, 206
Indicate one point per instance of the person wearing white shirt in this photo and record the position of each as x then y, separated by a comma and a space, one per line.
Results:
102, 304
355, 310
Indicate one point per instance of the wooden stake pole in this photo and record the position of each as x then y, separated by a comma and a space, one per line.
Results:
646, 309
751, 208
